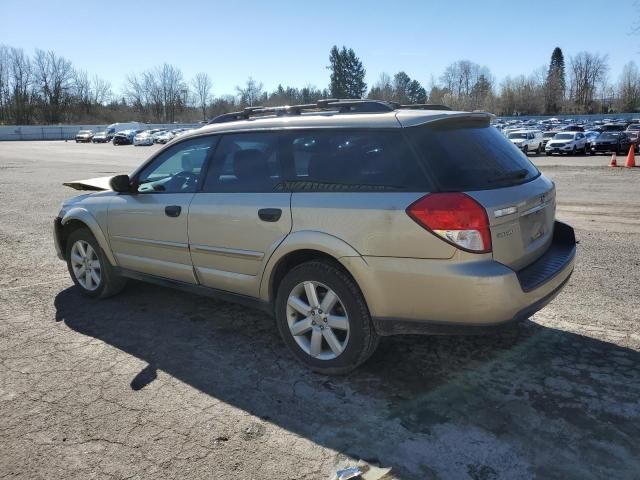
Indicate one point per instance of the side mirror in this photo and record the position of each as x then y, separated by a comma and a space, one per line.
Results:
120, 183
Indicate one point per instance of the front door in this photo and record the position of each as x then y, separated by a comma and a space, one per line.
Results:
239, 218
148, 229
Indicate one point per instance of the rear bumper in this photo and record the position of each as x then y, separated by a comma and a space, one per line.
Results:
446, 296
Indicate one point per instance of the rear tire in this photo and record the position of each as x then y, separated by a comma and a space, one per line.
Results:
525, 150
548, 154
84, 254
539, 149
311, 319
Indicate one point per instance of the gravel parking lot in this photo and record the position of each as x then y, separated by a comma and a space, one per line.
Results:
156, 383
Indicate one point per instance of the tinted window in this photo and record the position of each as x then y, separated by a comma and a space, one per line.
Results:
176, 170
357, 160
246, 162
471, 156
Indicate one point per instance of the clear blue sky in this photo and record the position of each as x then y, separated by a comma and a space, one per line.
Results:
288, 42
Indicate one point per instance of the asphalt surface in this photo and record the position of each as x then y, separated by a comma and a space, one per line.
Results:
156, 383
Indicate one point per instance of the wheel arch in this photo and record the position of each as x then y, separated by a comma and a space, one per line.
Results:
301, 247
80, 218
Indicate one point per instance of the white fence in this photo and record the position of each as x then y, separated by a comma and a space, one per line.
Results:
68, 132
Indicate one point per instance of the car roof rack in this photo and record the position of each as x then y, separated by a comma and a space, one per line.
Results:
425, 106
322, 105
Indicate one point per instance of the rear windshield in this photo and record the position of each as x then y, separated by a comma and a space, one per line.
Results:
470, 156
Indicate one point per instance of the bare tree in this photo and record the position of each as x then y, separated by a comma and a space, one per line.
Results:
586, 71
459, 80
382, 89
21, 86
54, 75
629, 87
100, 90
251, 93
82, 89
5, 83
202, 86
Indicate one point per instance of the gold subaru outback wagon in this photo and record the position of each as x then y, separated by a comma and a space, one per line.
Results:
345, 220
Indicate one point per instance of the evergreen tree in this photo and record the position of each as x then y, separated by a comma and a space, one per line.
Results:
347, 74
555, 85
416, 92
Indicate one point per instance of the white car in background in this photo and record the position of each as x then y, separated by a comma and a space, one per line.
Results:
165, 137
143, 138
567, 142
527, 140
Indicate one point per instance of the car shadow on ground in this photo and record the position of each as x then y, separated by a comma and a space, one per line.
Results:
530, 399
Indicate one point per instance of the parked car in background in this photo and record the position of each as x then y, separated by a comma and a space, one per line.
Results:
567, 142
548, 135
633, 131
84, 136
527, 140
590, 135
143, 138
239, 210
609, 142
614, 127
102, 137
157, 133
124, 137
165, 137
573, 128
119, 127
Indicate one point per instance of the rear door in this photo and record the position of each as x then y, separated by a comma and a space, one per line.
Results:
469, 156
238, 219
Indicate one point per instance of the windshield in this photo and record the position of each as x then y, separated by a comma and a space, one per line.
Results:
548, 134
563, 136
467, 156
608, 136
516, 135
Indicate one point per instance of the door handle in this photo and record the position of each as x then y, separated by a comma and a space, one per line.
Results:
173, 210
269, 214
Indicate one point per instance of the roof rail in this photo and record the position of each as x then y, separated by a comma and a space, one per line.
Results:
426, 106
323, 105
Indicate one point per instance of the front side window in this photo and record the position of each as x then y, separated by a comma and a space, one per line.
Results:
178, 169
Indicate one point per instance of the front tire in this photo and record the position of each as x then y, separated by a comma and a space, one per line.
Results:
539, 149
525, 150
89, 268
323, 319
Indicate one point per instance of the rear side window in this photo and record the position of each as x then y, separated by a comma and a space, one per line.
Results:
245, 163
354, 160
466, 156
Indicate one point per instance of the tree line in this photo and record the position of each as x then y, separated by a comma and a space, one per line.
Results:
46, 88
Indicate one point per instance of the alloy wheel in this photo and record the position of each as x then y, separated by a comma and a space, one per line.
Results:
86, 265
318, 320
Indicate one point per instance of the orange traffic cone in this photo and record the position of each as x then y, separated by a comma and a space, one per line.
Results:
631, 158
614, 160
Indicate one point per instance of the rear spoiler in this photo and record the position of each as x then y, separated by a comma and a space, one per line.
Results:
91, 184
411, 120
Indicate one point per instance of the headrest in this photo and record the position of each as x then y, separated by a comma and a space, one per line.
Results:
250, 164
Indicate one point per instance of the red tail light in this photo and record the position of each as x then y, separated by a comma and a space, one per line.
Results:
456, 218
